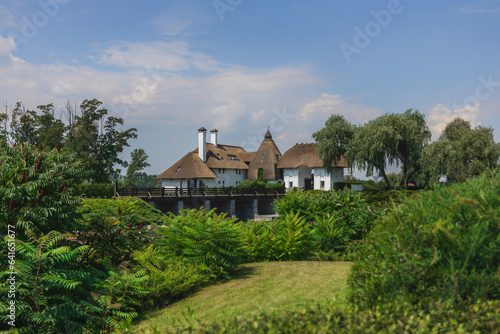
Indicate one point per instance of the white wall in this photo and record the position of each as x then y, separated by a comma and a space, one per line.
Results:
297, 176
321, 175
227, 178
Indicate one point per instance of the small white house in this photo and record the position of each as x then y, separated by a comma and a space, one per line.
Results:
303, 168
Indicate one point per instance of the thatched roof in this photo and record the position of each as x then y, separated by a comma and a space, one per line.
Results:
189, 167
266, 158
304, 155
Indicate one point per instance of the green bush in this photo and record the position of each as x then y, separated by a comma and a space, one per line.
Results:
481, 317
337, 219
169, 279
102, 190
443, 244
212, 241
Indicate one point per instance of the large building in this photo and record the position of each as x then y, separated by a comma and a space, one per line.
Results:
217, 165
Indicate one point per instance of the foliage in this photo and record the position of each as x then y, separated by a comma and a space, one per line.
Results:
442, 244
311, 225
35, 189
391, 139
169, 279
295, 241
334, 140
115, 228
138, 162
259, 183
45, 286
105, 190
90, 134
95, 138
481, 317
461, 153
210, 240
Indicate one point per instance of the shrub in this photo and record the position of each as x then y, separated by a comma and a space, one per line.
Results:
210, 240
481, 317
338, 218
169, 279
443, 244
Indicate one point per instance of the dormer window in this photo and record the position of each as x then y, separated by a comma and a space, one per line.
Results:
178, 169
262, 157
233, 157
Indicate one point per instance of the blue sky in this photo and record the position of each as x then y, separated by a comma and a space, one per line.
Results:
241, 66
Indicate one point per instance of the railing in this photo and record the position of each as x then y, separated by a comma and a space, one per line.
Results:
190, 192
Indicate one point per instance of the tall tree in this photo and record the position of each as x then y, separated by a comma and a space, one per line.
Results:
23, 125
391, 139
138, 162
461, 152
334, 139
50, 131
97, 139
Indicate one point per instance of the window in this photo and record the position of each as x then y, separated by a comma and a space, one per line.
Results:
223, 171
178, 169
233, 157
262, 157
219, 170
277, 157
290, 185
223, 183
322, 184
219, 181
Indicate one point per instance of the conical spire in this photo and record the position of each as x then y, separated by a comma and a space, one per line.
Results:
268, 135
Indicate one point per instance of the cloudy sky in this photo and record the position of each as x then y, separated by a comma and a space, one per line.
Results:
241, 66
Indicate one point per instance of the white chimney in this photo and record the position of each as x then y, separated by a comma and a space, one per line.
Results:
213, 136
202, 143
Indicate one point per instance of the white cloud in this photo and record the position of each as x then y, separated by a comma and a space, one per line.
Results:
7, 45
441, 115
329, 104
167, 56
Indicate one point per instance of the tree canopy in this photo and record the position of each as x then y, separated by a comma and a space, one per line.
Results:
90, 133
391, 139
461, 152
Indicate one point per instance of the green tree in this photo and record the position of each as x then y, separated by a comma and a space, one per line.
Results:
138, 162
50, 131
391, 139
97, 141
23, 125
461, 152
334, 139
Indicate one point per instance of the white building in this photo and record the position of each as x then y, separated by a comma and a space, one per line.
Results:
216, 165
303, 168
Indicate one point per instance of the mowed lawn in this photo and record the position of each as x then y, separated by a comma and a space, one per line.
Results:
256, 288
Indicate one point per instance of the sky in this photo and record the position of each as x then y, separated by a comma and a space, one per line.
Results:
242, 66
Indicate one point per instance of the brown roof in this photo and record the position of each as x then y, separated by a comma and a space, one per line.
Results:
189, 167
247, 156
266, 158
222, 156
304, 155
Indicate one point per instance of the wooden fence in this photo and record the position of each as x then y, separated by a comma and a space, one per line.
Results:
165, 192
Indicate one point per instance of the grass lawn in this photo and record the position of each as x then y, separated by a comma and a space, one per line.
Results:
256, 288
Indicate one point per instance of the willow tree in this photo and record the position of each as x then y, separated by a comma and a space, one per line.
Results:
391, 139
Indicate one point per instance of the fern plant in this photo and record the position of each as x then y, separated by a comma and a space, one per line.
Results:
46, 296
210, 240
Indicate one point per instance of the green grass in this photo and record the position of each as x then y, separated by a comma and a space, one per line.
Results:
255, 288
